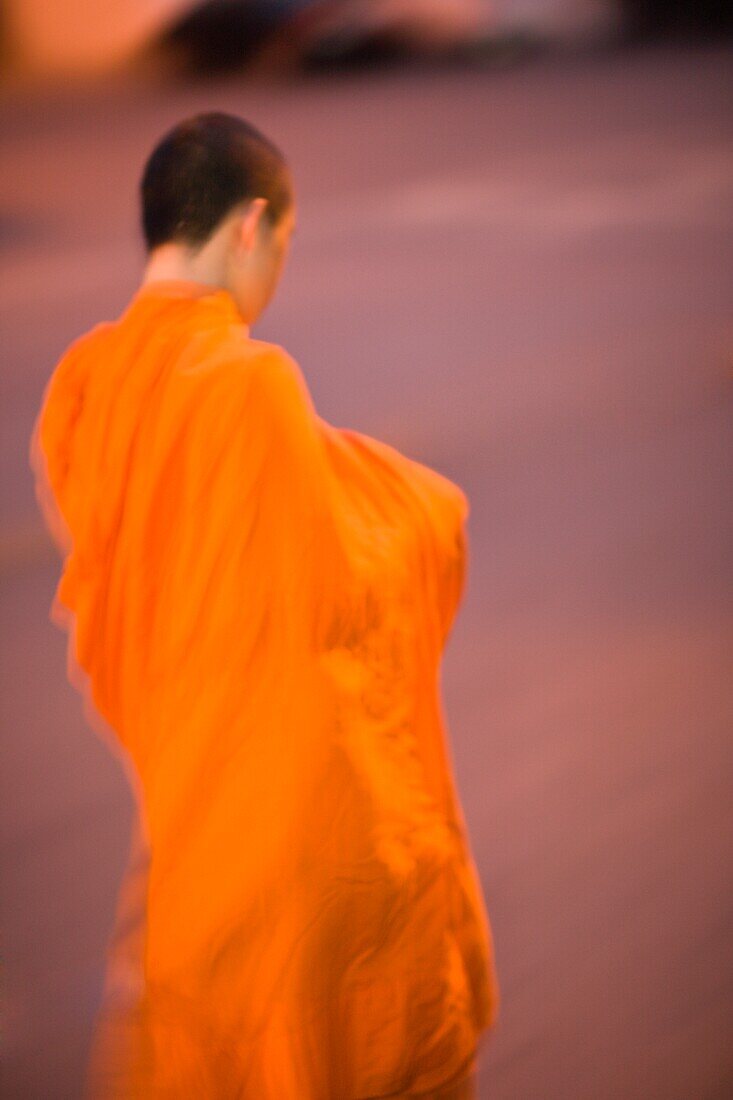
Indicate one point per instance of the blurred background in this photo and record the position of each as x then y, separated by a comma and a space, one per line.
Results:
513, 262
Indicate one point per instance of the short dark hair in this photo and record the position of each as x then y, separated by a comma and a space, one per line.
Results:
201, 169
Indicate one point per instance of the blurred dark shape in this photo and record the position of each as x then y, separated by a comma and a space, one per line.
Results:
261, 35
223, 35
416, 32
650, 19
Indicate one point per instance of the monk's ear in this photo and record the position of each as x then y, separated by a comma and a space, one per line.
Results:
248, 223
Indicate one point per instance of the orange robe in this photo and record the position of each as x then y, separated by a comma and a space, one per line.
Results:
257, 602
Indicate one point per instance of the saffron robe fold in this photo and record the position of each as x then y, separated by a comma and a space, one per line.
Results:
257, 602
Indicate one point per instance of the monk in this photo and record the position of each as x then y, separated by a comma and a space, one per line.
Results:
256, 604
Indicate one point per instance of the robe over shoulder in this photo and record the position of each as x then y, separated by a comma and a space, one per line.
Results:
257, 603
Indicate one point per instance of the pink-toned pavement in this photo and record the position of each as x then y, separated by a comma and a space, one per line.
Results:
522, 277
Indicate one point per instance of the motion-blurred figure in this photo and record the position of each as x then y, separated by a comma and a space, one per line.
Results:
285, 34
289, 34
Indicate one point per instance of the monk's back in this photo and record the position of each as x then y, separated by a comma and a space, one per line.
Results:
257, 604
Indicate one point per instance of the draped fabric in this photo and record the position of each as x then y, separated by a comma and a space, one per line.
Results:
257, 603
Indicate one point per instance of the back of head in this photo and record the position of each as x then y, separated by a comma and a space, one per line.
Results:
200, 170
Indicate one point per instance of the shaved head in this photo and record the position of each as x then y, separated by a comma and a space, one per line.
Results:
200, 170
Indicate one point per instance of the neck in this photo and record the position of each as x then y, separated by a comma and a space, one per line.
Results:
172, 261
